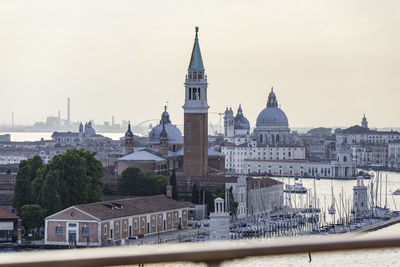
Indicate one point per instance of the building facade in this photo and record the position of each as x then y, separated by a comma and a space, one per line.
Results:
114, 222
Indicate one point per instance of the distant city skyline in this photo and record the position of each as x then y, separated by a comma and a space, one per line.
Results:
329, 62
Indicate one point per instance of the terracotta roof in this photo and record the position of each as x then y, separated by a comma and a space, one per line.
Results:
131, 206
5, 214
262, 182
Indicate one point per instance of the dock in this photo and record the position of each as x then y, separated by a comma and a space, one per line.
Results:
379, 225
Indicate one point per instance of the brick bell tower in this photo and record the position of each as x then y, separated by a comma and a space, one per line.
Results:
195, 159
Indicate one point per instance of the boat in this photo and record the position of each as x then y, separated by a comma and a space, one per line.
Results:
297, 188
397, 192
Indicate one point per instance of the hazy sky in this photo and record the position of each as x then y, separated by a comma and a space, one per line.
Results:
329, 61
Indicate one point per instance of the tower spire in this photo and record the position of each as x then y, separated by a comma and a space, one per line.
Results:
196, 61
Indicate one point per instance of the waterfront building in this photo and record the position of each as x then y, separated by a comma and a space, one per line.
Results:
10, 227
235, 155
341, 167
114, 222
394, 155
362, 134
370, 154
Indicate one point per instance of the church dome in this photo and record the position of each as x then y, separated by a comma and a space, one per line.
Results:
240, 121
173, 133
272, 115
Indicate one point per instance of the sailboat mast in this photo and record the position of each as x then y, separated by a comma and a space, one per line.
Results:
386, 194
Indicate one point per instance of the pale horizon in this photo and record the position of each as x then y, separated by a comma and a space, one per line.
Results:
329, 62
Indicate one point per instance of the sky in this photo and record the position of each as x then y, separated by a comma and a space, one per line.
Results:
328, 61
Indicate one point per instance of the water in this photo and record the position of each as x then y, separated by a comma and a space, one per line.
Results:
36, 136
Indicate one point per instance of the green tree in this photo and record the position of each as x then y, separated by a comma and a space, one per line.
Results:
136, 183
23, 189
172, 182
32, 216
71, 178
195, 194
320, 131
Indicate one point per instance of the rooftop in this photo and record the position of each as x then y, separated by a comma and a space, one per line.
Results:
130, 206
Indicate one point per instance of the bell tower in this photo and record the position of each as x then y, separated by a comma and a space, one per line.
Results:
195, 159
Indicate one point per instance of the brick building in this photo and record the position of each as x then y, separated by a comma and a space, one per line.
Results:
115, 221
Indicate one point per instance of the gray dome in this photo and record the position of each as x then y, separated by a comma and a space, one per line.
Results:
272, 116
242, 124
174, 134
240, 121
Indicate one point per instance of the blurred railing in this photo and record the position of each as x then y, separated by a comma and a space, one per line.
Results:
211, 253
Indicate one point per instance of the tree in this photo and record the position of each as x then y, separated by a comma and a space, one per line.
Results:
172, 182
32, 216
195, 194
23, 189
320, 131
71, 178
136, 183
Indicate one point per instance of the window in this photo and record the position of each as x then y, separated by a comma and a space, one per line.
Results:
85, 230
59, 230
194, 93
105, 229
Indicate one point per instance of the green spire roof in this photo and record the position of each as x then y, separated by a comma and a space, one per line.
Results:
196, 62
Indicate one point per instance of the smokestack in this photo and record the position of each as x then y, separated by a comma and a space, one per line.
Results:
69, 112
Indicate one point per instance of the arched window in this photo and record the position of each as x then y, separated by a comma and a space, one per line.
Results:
194, 93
